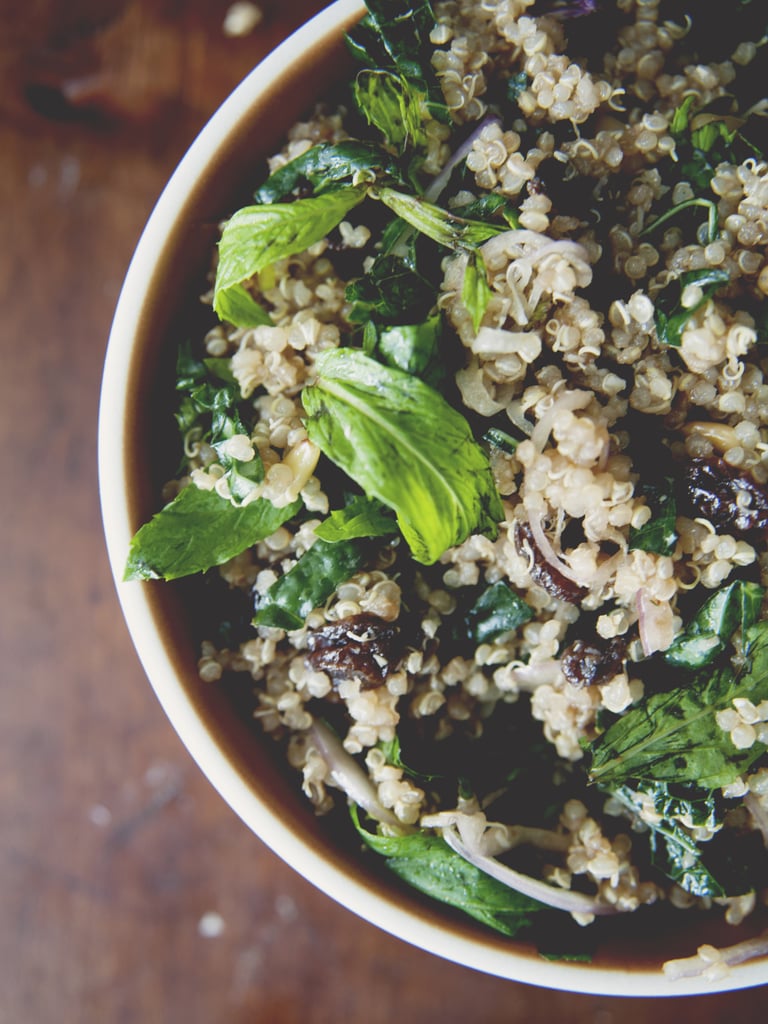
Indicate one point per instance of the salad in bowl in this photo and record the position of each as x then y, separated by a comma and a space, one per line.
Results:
471, 486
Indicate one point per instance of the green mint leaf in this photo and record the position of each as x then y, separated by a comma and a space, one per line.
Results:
197, 531
736, 606
439, 225
706, 137
326, 167
475, 291
257, 236
308, 584
362, 517
237, 306
427, 863
671, 316
658, 535
403, 444
497, 611
412, 348
674, 737
241, 476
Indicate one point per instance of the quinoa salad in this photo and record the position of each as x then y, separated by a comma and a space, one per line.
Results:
475, 461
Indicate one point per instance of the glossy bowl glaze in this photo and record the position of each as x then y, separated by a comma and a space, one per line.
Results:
158, 306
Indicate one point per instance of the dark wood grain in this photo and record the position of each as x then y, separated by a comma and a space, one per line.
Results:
113, 847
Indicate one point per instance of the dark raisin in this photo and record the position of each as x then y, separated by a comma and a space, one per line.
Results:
728, 498
590, 664
362, 645
543, 572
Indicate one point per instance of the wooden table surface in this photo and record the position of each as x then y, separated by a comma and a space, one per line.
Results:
129, 892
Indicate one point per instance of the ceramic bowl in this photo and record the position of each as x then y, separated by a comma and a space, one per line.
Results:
137, 452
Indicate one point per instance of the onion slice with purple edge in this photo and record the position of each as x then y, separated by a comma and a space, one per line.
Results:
708, 958
347, 774
440, 181
560, 899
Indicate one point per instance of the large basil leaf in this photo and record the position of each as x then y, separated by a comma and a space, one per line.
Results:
405, 445
257, 236
197, 530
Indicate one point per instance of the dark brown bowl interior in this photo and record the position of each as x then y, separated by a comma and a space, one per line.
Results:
171, 312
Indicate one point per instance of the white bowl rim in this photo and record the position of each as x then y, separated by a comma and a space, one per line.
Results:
186, 718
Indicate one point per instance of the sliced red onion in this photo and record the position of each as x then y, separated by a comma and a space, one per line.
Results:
652, 624
729, 956
641, 602
440, 181
759, 814
347, 774
560, 899
543, 543
568, 400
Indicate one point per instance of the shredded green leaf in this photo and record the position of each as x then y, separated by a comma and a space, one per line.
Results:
198, 530
257, 236
497, 611
313, 578
327, 167
673, 850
